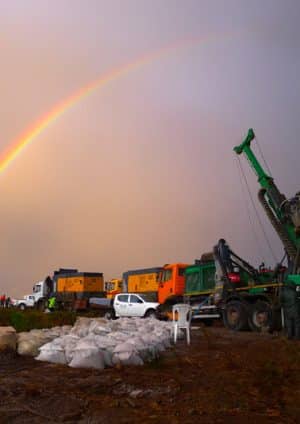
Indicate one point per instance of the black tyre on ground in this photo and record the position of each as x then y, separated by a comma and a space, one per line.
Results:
110, 314
235, 315
260, 316
22, 306
150, 313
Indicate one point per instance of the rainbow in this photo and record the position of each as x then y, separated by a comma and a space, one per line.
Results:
59, 109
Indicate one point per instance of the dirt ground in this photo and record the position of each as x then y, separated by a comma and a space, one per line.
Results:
223, 377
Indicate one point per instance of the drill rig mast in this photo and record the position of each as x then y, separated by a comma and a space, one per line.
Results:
283, 213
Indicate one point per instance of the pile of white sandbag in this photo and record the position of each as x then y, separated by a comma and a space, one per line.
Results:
99, 343
28, 343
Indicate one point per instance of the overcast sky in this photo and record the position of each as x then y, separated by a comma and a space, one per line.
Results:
142, 172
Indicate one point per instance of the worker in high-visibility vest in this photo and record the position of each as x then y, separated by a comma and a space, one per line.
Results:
52, 303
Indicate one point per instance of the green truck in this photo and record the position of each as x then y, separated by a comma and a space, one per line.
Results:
244, 296
200, 288
223, 285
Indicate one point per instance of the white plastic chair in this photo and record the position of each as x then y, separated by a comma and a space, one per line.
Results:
183, 321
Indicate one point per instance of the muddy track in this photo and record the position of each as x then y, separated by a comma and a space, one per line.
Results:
223, 377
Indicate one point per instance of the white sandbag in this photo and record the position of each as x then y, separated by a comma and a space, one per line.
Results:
70, 346
81, 327
52, 352
126, 354
28, 348
28, 343
118, 336
107, 357
65, 329
113, 325
87, 358
35, 332
140, 347
127, 358
53, 334
80, 331
87, 342
97, 328
123, 347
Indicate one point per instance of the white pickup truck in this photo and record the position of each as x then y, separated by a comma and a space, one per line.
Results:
133, 305
27, 302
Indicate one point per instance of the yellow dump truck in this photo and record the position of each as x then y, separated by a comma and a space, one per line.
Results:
142, 281
80, 282
71, 288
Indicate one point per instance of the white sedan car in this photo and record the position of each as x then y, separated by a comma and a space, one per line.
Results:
133, 305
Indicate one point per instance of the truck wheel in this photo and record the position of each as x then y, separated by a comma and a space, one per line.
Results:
150, 313
22, 306
235, 316
110, 315
260, 316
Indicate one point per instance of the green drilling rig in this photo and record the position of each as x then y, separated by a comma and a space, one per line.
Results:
283, 213
247, 297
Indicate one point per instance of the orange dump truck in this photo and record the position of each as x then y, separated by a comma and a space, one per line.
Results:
171, 282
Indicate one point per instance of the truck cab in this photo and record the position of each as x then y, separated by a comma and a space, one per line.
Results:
39, 290
113, 287
171, 281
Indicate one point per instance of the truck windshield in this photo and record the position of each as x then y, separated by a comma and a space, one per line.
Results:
166, 275
181, 272
36, 289
109, 286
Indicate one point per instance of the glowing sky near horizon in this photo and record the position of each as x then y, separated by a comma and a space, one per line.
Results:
142, 173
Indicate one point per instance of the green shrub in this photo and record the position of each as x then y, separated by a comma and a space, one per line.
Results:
30, 319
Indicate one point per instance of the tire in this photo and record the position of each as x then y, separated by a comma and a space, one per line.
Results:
151, 313
110, 314
260, 316
22, 306
113, 314
235, 316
